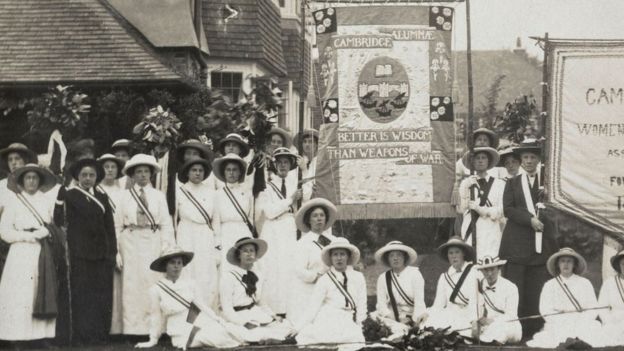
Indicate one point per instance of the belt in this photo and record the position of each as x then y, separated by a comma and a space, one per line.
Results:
30, 229
139, 227
245, 307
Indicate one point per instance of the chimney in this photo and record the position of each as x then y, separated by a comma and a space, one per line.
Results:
519, 50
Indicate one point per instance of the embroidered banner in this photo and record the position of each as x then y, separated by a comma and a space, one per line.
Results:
386, 146
586, 132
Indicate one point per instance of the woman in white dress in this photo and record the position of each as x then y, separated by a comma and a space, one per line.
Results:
568, 292
22, 226
112, 187
277, 203
313, 219
144, 228
337, 308
233, 212
195, 229
177, 310
401, 289
307, 144
240, 289
233, 143
612, 294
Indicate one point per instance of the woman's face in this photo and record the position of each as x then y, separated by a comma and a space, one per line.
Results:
142, 175
396, 259
317, 220
275, 142
455, 256
191, 153
232, 172
174, 268
529, 161
282, 164
122, 154
480, 162
15, 161
31, 182
247, 255
110, 170
339, 259
481, 140
566, 265
196, 174
309, 146
87, 177
512, 165
231, 147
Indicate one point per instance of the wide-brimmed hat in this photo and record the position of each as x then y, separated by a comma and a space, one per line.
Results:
141, 160
183, 174
551, 264
490, 151
281, 132
218, 166
456, 241
285, 152
529, 145
47, 180
160, 264
236, 138
192, 144
340, 243
110, 157
77, 166
507, 151
615, 261
298, 140
380, 255
489, 261
494, 140
261, 249
27, 154
121, 144
329, 207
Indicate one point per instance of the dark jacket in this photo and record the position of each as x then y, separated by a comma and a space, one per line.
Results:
518, 242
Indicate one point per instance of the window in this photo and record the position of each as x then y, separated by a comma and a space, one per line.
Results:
282, 3
228, 82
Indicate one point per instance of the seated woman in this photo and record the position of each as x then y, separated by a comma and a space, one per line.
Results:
338, 305
455, 303
572, 294
401, 289
612, 294
176, 309
239, 289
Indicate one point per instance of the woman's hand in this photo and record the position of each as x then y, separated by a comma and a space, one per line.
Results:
296, 196
41, 233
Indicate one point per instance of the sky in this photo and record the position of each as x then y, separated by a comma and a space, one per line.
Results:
495, 24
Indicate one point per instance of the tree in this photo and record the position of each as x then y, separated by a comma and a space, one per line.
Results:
519, 120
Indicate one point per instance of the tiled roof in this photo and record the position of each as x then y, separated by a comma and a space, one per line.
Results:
72, 41
254, 34
291, 44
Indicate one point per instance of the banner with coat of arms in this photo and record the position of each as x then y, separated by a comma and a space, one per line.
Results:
386, 146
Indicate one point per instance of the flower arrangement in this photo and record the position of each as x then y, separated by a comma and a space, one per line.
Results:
60, 108
374, 329
158, 131
430, 338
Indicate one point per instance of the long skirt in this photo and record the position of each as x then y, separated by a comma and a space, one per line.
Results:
91, 299
331, 326
502, 332
454, 316
203, 332
17, 295
269, 329
554, 334
199, 239
138, 249
117, 318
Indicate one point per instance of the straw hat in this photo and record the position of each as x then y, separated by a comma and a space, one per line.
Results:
236, 138
529, 145
261, 249
141, 160
192, 144
47, 180
329, 207
340, 243
110, 157
27, 154
218, 166
77, 166
507, 151
456, 241
183, 174
285, 152
160, 264
615, 261
489, 261
579, 267
492, 155
124, 144
380, 255
281, 132
494, 140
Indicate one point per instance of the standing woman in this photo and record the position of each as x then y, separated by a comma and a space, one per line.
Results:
92, 245
196, 230
22, 226
307, 144
233, 218
145, 229
313, 219
233, 143
401, 289
612, 294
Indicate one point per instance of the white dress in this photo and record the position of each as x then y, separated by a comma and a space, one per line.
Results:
489, 233
307, 264
328, 317
139, 246
229, 224
558, 328
410, 300
114, 194
21, 270
500, 303
612, 294
233, 296
195, 235
168, 315
280, 233
457, 314
308, 176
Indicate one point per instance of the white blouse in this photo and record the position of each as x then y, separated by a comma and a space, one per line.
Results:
468, 290
17, 221
308, 262
204, 195
611, 295
157, 206
553, 299
232, 293
412, 283
503, 295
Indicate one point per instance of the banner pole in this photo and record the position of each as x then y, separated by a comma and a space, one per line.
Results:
301, 99
470, 124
